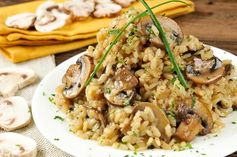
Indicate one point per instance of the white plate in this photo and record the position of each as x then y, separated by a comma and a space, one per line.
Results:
57, 132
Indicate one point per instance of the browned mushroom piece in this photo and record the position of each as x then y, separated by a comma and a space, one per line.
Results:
194, 120
206, 117
120, 90
189, 128
205, 72
173, 32
76, 77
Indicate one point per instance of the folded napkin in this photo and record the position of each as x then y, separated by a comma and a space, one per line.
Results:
20, 45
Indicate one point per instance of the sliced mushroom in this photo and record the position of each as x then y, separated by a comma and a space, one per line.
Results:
162, 122
46, 7
50, 21
50, 17
206, 117
13, 79
172, 30
79, 10
189, 128
124, 3
76, 77
21, 21
196, 119
14, 113
205, 72
17, 145
120, 90
106, 10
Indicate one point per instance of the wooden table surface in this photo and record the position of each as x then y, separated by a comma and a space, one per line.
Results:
214, 22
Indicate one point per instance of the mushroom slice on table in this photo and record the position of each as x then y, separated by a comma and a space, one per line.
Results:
162, 122
45, 7
13, 79
17, 145
79, 10
120, 90
76, 77
173, 32
124, 3
106, 10
49, 21
21, 21
14, 113
205, 72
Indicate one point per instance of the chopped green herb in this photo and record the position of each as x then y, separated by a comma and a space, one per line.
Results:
135, 153
51, 99
59, 118
233, 122
52, 94
173, 80
114, 31
203, 154
193, 101
126, 156
215, 135
162, 155
127, 102
142, 154
56, 139
107, 90
189, 146
43, 93
134, 133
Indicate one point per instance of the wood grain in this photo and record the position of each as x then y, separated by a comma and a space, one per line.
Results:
214, 22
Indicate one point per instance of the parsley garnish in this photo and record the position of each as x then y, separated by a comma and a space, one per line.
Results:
193, 101
59, 118
233, 122
56, 139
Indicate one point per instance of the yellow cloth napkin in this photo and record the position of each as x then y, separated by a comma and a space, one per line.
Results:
63, 39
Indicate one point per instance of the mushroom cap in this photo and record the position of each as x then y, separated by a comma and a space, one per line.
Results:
124, 3
106, 10
205, 72
79, 9
76, 77
120, 90
13, 144
49, 21
12, 79
173, 32
45, 7
162, 122
21, 21
14, 113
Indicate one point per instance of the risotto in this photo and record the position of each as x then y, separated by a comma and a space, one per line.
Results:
136, 101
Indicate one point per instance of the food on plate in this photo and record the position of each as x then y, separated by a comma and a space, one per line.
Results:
21, 21
13, 144
14, 113
12, 79
134, 100
79, 10
50, 16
